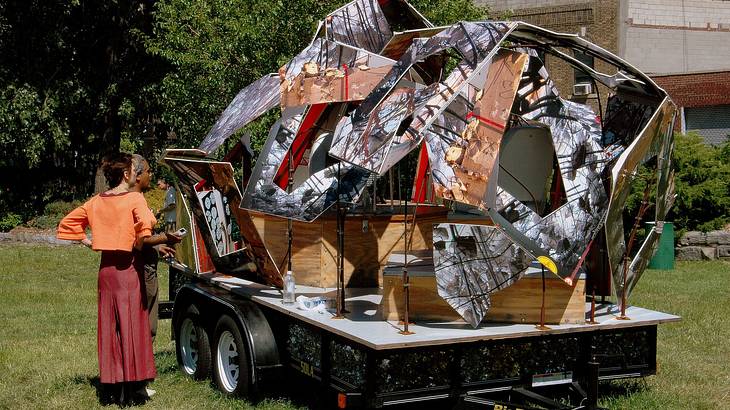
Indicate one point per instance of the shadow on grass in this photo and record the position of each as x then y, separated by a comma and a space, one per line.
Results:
615, 388
112, 394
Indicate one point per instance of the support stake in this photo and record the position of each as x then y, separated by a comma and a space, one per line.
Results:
340, 293
406, 285
542, 326
592, 319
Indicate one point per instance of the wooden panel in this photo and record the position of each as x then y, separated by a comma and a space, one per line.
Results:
520, 303
425, 303
306, 247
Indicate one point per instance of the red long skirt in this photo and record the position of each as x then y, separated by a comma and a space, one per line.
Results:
124, 339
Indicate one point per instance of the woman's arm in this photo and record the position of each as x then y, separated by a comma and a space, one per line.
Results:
144, 221
73, 226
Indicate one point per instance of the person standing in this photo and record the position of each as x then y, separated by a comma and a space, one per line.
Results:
149, 254
120, 222
168, 208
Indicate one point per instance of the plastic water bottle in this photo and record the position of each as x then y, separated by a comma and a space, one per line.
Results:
289, 296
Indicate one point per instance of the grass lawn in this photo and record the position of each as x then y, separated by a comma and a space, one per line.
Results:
48, 338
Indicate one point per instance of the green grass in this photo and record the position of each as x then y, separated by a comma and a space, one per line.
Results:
48, 338
693, 360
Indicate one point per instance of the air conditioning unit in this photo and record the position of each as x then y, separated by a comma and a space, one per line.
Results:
582, 89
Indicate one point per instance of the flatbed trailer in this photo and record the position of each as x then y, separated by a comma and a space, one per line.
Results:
242, 333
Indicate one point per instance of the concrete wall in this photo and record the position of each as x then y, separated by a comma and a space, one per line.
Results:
677, 36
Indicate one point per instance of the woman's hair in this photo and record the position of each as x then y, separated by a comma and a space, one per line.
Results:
114, 165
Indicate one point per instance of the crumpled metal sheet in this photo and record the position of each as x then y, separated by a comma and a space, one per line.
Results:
329, 55
254, 100
654, 140
565, 234
471, 262
309, 200
464, 165
475, 42
360, 23
328, 71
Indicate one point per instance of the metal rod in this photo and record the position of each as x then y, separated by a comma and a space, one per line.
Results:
339, 299
592, 320
406, 284
341, 253
374, 199
639, 215
390, 183
542, 326
290, 186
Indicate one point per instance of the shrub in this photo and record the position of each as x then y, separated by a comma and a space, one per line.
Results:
701, 179
9, 221
52, 214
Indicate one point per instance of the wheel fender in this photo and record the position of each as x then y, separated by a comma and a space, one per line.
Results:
255, 330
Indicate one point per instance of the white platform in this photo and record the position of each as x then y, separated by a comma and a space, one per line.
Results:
364, 324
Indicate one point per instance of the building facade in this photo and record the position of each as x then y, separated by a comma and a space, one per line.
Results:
683, 44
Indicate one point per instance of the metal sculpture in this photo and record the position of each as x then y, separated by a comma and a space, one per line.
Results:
475, 94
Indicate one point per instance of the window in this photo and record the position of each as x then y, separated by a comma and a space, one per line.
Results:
580, 75
712, 123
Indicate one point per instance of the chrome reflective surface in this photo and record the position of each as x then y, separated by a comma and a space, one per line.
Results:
471, 262
254, 100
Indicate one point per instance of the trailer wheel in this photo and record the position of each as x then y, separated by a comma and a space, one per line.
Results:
192, 346
230, 367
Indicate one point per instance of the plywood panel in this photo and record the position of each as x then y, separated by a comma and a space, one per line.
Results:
366, 248
306, 247
520, 303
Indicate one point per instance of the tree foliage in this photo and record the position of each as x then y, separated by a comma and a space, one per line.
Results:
74, 80
703, 184
217, 47
701, 180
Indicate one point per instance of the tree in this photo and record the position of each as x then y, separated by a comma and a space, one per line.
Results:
217, 47
74, 79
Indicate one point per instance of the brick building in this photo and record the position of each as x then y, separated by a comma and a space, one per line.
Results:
683, 44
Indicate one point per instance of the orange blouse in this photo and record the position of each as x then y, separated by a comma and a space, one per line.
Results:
116, 221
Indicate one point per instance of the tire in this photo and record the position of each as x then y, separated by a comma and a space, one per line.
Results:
192, 345
231, 370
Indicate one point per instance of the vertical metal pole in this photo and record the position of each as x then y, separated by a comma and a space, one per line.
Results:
406, 284
375, 194
592, 320
392, 198
290, 185
339, 299
341, 254
542, 326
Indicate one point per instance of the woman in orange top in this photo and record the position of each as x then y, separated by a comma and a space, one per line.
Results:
120, 221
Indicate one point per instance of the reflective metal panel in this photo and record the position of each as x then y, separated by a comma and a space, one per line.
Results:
465, 163
653, 139
254, 100
311, 198
475, 42
471, 262
360, 23
565, 234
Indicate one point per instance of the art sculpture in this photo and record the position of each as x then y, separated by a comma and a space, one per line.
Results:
474, 95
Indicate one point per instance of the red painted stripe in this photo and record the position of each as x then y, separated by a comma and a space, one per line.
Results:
485, 121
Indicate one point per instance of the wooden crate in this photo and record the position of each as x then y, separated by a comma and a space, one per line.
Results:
519, 303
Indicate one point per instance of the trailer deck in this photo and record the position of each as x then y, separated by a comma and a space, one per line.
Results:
365, 326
